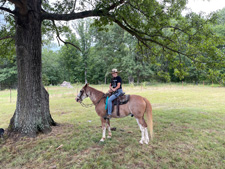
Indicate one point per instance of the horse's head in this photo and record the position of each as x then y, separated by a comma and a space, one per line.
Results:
82, 94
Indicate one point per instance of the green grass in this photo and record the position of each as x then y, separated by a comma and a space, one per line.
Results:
189, 130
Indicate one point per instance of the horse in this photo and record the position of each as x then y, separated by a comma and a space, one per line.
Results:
136, 106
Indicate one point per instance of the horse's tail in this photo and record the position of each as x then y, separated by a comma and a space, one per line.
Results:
149, 117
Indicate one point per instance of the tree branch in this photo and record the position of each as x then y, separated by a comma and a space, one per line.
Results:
137, 9
115, 5
3, 3
144, 40
7, 37
59, 38
21, 4
71, 16
74, 6
18, 3
80, 15
7, 10
144, 33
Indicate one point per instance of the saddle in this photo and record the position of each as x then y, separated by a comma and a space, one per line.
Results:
122, 99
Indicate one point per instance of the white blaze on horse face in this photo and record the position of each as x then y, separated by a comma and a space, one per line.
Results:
84, 96
78, 94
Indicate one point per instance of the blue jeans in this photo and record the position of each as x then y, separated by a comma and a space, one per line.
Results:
111, 98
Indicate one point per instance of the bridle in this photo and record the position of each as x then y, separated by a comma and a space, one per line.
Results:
82, 104
89, 105
81, 93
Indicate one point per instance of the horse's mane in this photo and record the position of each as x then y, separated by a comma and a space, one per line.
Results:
95, 90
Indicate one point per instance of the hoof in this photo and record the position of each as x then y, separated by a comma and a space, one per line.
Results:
146, 142
102, 140
141, 142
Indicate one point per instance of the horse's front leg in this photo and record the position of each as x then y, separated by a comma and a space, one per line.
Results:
103, 130
109, 129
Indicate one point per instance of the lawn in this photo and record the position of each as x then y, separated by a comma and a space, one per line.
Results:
189, 132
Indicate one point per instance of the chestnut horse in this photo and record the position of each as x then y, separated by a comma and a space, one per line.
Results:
137, 106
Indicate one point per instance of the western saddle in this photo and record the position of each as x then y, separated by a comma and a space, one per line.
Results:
122, 99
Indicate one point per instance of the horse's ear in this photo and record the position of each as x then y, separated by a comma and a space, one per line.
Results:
86, 85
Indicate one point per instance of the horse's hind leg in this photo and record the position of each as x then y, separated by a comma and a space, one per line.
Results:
109, 129
144, 131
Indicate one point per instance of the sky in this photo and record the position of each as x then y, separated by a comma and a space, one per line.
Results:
205, 5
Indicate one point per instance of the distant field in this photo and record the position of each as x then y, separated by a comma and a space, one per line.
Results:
189, 130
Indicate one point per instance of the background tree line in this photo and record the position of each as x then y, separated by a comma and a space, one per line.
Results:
100, 51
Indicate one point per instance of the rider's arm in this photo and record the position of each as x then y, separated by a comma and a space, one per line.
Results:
117, 87
110, 88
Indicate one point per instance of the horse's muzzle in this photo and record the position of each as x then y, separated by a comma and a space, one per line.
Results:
77, 99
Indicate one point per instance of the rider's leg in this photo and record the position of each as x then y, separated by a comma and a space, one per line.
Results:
111, 98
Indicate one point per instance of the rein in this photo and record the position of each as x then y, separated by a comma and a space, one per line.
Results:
86, 105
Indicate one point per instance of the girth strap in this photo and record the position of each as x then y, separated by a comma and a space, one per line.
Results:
118, 108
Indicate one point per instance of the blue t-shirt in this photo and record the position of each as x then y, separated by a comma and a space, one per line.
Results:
115, 81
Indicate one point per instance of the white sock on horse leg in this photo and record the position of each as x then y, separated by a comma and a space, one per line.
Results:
103, 134
146, 136
142, 132
110, 133
138, 123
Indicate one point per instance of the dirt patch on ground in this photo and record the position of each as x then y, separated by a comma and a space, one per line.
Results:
28, 152
56, 131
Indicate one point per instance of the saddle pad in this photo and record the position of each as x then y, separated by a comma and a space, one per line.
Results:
106, 103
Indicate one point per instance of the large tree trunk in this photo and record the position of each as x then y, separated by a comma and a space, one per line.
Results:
32, 109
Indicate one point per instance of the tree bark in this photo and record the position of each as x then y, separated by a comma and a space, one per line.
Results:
138, 81
85, 73
131, 79
32, 113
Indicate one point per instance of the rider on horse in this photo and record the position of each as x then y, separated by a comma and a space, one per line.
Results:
115, 87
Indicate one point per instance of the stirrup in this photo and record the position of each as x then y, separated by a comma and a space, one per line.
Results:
107, 117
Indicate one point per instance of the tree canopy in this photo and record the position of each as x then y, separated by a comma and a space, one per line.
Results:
157, 25
189, 47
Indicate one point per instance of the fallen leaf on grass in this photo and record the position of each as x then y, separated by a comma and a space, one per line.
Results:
52, 167
59, 147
